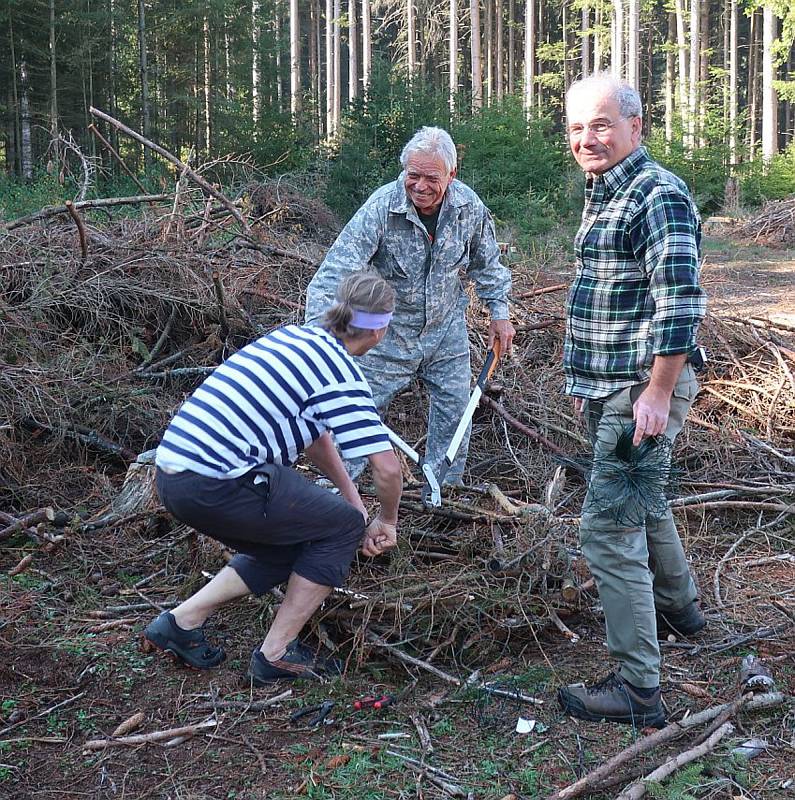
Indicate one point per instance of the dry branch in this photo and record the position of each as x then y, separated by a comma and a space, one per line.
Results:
118, 158
148, 738
28, 521
106, 202
194, 176
81, 228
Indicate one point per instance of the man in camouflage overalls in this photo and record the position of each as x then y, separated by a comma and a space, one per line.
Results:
423, 233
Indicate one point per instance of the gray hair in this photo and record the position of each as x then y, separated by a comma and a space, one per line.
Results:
627, 98
362, 291
432, 142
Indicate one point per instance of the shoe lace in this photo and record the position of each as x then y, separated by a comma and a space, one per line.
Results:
607, 684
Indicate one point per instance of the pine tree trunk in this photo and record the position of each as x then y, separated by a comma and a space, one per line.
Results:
500, 60
208, 111
337, 105
695, 52
146, 127
670, 63
753, 81
53, 91
256, 66
529, 56
314, 77
681, 50
511, 46
17, 161
295, 61
453, 56
585, 42
564, 24
474, 46
489, 51
633, 41
277, 35
367, 47
541, 37
329, 68
617, 54
703, 72
769, 95
24, 108
733, 83
353, 52
411, 40
597, 39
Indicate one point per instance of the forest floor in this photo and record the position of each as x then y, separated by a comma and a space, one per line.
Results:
71, 669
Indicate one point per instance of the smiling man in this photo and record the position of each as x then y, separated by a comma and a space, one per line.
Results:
423, 233
632, 316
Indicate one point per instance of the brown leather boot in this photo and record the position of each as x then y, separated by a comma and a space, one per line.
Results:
612, 700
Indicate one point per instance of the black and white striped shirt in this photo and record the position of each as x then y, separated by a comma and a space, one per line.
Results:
268, 402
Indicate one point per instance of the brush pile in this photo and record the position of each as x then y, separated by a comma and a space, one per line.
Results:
102, 340
773, 225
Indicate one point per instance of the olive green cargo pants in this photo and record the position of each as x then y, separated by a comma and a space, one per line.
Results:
635, 568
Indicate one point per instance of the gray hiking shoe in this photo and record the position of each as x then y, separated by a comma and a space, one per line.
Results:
299, 661
681, 622
612, 700
189, 647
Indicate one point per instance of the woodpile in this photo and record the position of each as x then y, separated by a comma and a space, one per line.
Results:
774, 224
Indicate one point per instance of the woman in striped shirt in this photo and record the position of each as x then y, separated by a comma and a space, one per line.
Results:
224, 467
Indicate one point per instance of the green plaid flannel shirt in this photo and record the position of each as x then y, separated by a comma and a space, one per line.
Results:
636, 292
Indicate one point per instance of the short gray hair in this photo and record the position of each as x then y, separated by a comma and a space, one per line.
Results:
432, 142
627, 98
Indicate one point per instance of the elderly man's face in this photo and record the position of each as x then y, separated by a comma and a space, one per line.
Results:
598, 135
427, 180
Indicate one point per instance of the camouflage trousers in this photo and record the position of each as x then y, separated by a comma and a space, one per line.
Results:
440, 359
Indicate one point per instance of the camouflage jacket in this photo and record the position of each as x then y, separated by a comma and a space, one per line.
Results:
386, 234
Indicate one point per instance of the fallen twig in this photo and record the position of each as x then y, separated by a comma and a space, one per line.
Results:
148, 738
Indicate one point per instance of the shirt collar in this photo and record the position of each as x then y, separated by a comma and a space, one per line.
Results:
618, 175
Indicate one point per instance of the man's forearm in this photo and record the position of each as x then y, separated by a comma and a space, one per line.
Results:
665, 372
388, 481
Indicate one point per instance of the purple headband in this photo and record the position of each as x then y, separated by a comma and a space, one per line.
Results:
369, 321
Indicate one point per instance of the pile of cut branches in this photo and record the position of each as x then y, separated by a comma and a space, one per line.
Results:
774, 224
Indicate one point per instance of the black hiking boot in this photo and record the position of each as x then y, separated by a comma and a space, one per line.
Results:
681, 622
612, 700
298, 661
188, 647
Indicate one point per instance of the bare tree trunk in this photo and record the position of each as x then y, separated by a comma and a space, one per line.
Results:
511, 46
695, 52
314, 76
769, 95
337, 106
17, 166
542, 38
353, 52
633, 44
499, 48
529, 55
669, 81
489, 51
753, 81
256, 66
411, 40
24, 104
295, 61
703, 72
208, 112
617, 54
367, 47
53, 90
453, 85
329, 68
597, 39
733, 83
277, 34
564, 25
585, 44
144, 78
474, 46
681, 50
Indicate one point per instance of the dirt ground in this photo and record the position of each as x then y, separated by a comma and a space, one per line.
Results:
71, 671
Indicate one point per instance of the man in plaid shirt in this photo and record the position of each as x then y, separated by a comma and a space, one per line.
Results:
632, 316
